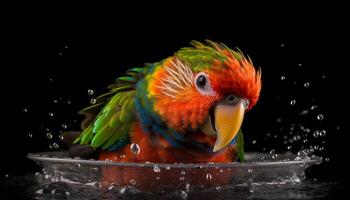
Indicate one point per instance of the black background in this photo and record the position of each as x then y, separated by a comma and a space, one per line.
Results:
59, 53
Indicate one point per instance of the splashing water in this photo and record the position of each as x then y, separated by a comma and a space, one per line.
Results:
90, 92
73, 177
49, 135
93, 101
135, 148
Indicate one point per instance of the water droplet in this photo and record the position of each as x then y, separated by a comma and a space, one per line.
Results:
326, 159
64, 126
304, 112
300, 64
289, 147
55, 101
320, 117
182, 178
135, 148
90, 92
272, 151
209, 176
323, 76
182, 194
305, 141
132, 182
156, 169
316, 134
55, 145
188, 187
321, 149
254, 142
50, 114
313, 107
30, 135
61, 137
322, 133
69, 102
25, 110
54, 179
250, 170
93, 101
307, 84
183, 172
283, 78
316, 147
49, 135
296, 138
274, 156
282, 45
112, 187
60, 53
292, 102
6, 175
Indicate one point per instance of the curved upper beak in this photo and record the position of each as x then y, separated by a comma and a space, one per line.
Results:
226, 123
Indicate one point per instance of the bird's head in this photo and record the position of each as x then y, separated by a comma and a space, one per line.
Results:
205, 88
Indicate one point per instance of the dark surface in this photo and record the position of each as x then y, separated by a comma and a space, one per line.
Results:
89, 52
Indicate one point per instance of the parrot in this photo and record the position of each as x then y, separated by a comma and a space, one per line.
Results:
187, 108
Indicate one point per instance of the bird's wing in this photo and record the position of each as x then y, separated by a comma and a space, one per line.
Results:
110, 128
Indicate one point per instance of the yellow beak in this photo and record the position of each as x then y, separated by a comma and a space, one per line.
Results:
228, 120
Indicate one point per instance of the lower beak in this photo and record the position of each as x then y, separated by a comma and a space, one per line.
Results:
225, 123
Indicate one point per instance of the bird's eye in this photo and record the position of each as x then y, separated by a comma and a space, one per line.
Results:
203, 85
201, 81
232, 99
245, 103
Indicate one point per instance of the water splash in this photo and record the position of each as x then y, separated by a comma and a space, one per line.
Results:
135, 148
90, 91
49, 135
156, 169
292, 102
320, 117
93, 101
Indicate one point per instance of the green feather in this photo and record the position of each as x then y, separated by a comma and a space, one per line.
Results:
122, 133
103, 135
137, 70
126, 78
240, 146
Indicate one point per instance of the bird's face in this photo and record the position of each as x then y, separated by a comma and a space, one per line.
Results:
210, 98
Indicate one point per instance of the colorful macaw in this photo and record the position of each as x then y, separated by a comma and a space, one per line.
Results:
186, 108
